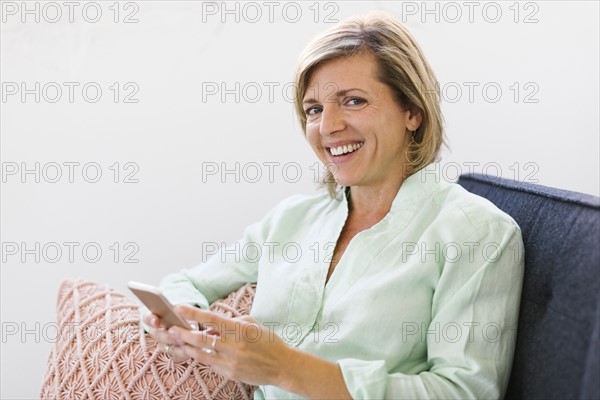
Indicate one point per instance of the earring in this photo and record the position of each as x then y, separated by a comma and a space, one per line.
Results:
411, 144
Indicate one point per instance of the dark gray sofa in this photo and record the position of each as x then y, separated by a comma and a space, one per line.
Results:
557, 343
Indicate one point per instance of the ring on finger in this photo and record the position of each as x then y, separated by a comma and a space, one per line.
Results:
212, 349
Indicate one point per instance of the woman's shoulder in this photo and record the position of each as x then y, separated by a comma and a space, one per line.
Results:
445, 203
459, 206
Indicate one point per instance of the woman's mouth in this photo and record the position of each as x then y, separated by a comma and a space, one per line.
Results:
339, 151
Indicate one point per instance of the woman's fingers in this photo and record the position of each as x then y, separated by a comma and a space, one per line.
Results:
152, 320
158, 331
220, 333
167, 343
207, 342
208, 320
176, 353
161, 336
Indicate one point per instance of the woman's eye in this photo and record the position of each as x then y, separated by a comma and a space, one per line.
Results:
312, 110
356, 101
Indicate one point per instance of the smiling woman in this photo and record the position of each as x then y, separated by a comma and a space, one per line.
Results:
364, 132
360, 128
393, 284
387, 58
409, 300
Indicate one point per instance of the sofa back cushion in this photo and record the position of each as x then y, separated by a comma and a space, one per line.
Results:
556, 354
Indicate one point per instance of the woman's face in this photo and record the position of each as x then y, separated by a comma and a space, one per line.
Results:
354, 124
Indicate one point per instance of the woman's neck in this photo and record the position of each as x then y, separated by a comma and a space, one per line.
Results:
374, 201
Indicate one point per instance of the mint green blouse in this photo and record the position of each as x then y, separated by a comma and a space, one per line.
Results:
422, 305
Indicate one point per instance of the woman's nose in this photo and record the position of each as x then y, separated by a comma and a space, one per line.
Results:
332, 121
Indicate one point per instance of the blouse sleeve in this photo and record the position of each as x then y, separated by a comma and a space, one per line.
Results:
471, 335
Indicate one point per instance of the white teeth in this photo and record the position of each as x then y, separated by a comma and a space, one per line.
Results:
337, 151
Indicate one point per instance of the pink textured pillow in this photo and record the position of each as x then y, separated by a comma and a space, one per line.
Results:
102, 353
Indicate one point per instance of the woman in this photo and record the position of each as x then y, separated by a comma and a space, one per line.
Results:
400, 286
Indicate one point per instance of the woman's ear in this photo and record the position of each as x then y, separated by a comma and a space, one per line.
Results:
415, 118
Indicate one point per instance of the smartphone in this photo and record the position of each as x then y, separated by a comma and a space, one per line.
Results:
158, 304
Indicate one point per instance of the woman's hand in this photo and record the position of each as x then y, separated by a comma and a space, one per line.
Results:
166, 341
238, 348
243, 350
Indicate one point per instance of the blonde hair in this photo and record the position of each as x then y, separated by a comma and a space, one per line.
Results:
401, 66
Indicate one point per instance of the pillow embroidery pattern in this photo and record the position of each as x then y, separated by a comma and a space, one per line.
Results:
102, 352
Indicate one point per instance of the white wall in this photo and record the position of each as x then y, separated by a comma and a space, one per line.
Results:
177, 49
